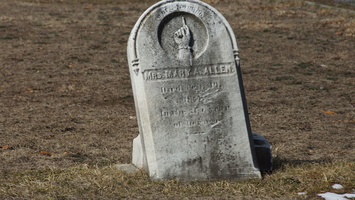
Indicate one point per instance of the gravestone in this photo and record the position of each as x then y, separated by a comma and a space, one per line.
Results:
189, 98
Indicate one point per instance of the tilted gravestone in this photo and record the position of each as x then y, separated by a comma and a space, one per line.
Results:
188, 91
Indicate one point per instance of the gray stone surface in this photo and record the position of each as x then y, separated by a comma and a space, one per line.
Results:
128, 168
190, 104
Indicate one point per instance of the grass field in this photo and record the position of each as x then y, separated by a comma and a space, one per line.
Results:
67, 112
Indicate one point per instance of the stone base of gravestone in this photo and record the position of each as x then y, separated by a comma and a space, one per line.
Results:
128, 168
263, 150
137, 153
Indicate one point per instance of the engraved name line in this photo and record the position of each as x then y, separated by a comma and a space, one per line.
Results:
208, 122
166, 113
188, 72
193, 87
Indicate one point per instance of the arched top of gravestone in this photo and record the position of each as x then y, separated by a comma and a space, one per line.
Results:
181, 32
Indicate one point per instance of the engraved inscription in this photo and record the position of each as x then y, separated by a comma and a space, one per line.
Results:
188, 72
180, 7
164, 11
193, 9
198, 106
192, 87
191, 123
181, 112
194, 94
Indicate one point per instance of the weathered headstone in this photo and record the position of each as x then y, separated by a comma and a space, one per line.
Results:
188, 91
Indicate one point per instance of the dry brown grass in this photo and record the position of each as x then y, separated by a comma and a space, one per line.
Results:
83, 182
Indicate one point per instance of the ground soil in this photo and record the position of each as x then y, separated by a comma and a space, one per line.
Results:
65, 90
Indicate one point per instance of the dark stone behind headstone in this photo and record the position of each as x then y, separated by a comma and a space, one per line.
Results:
263, 151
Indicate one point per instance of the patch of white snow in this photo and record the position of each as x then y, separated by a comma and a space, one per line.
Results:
337, 186
333, 196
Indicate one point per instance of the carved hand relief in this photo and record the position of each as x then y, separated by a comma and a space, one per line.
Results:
182, 37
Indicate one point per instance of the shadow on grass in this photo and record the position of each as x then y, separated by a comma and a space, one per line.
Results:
280, 163
336, 4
